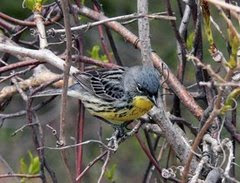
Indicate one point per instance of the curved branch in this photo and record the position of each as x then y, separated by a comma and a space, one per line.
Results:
29, 23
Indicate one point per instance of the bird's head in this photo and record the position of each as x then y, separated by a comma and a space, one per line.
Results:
142, 81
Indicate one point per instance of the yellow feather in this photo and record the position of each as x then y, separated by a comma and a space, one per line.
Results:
141, 105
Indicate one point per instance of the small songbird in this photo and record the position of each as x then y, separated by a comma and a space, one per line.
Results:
117, 95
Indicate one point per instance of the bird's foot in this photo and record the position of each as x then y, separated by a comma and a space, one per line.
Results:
119, 135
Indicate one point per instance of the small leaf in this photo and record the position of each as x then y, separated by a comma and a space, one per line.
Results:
34, 5
190, 40
23, 166
35, 166
231, 98
110, 172
30, 156
95, 54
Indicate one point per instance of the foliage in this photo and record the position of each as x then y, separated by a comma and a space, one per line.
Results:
34, 5
95, 54
110, 173
30, 166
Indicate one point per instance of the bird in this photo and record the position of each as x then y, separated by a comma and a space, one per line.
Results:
116, 95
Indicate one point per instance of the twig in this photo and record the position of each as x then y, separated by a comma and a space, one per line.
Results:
147, 152
23, 112
124, 17
207, 67
92, 61
67, 66
79, 137
173, 134
36, 138
101, 35
75, 145
208, 123
91, 164
29, 23
149, 172
17, 73
225, 5
143, 31
19, 65
113, 46
41, 29
214, 83
19, 89
54, 132
43, 55
200, 166
229, 146
22, 127
104, 166
20, 175
197, 140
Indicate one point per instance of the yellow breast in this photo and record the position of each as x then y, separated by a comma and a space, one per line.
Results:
140, 106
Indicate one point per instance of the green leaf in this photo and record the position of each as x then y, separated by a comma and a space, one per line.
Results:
30, 155
23, 166
235, 43
95, 54
231, 99
34, 166
190, 40
110, 172
34, 5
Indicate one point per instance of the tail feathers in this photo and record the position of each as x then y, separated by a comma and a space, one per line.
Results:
51, 92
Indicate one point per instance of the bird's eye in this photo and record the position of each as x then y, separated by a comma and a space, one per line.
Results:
139, 88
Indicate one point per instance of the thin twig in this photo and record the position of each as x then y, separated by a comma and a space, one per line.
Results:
75, 145
124, 17
102, 38
225, 5
2, 176
29, 23
91, 164
22, 127
104, 166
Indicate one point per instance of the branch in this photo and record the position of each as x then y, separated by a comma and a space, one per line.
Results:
173, 134
20, 175
143, 31
63, 122
225, 5
41, 55
124, 17
34, 81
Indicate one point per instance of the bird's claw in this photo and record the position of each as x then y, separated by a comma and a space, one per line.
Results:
113, 143
118, 135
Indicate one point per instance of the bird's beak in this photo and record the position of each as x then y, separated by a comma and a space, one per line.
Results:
154, 100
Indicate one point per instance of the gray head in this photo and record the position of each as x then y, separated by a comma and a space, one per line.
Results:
142, 81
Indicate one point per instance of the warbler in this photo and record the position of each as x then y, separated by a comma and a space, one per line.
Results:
117, 95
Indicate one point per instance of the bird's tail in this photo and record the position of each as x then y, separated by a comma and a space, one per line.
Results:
51, 92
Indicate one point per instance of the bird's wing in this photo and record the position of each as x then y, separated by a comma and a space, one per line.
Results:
103, 83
